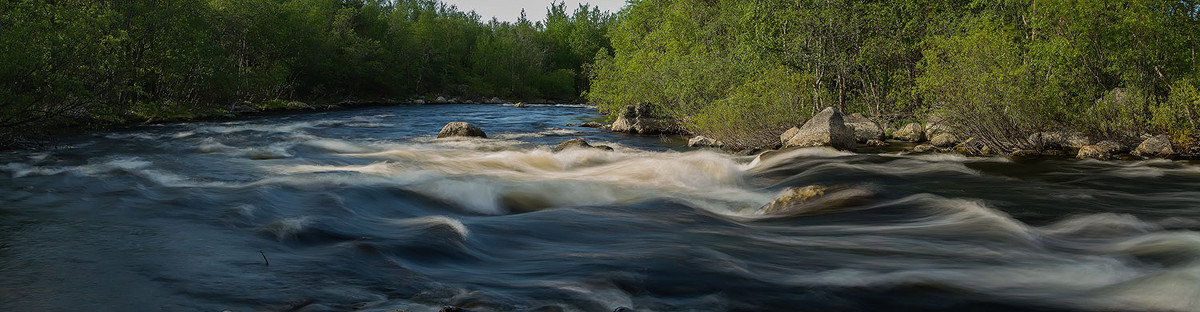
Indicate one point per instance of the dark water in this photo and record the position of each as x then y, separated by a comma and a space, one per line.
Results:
365, 210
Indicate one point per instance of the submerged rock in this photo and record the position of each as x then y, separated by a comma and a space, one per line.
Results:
1158, 145
792, 197
876, 143
461, 129
864, 128
579, 143
592, 124
912, 132
824, 129
703, 141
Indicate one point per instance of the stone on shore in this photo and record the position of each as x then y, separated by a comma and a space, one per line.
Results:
298, 105
912, 132
824, 129
1156, 146
642, 119
1055, 140
1104, 150
973, 147
924, 148
864, 128
440, 100
461, 129
944, 140
703, 141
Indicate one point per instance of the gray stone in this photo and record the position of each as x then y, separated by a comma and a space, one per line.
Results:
944, 140
642, 119
461, 129
579, 143
440, 100
419, 102
1104, 150
924, 148
824, 129
864, 128
1158, 145
702, 141
912, 132
298, 105
591, 124
792, 197
1054, 140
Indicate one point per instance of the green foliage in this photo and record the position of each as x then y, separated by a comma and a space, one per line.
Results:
995, 70
107, 61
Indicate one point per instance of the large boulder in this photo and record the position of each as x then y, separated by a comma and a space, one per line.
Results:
864, 128
461, 129
912, 132
579, 143
703, 141
825, 129
944, 140
642, 119
1103, 150
1158, 145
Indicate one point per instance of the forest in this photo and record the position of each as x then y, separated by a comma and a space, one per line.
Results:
738, 71
95, 63
998, 70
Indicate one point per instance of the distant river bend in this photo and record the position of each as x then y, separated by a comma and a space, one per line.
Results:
365, 210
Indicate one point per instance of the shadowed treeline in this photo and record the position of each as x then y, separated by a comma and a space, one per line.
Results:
94, 63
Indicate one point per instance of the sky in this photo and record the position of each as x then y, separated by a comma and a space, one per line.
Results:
535, 10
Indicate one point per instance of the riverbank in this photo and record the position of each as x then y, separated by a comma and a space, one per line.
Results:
39, 135
934, 134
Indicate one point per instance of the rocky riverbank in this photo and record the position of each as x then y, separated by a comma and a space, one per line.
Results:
859, 133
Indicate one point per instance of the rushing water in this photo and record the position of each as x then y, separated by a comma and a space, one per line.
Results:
366, 210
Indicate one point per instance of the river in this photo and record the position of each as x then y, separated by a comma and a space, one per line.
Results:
365, 210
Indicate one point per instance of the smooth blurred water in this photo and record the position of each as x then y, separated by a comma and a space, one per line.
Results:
365, 210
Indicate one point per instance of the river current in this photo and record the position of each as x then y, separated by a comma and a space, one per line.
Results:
365, 210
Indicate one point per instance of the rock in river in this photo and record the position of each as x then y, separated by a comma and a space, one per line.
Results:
825, 129
643, 120
461, 129
579, 143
